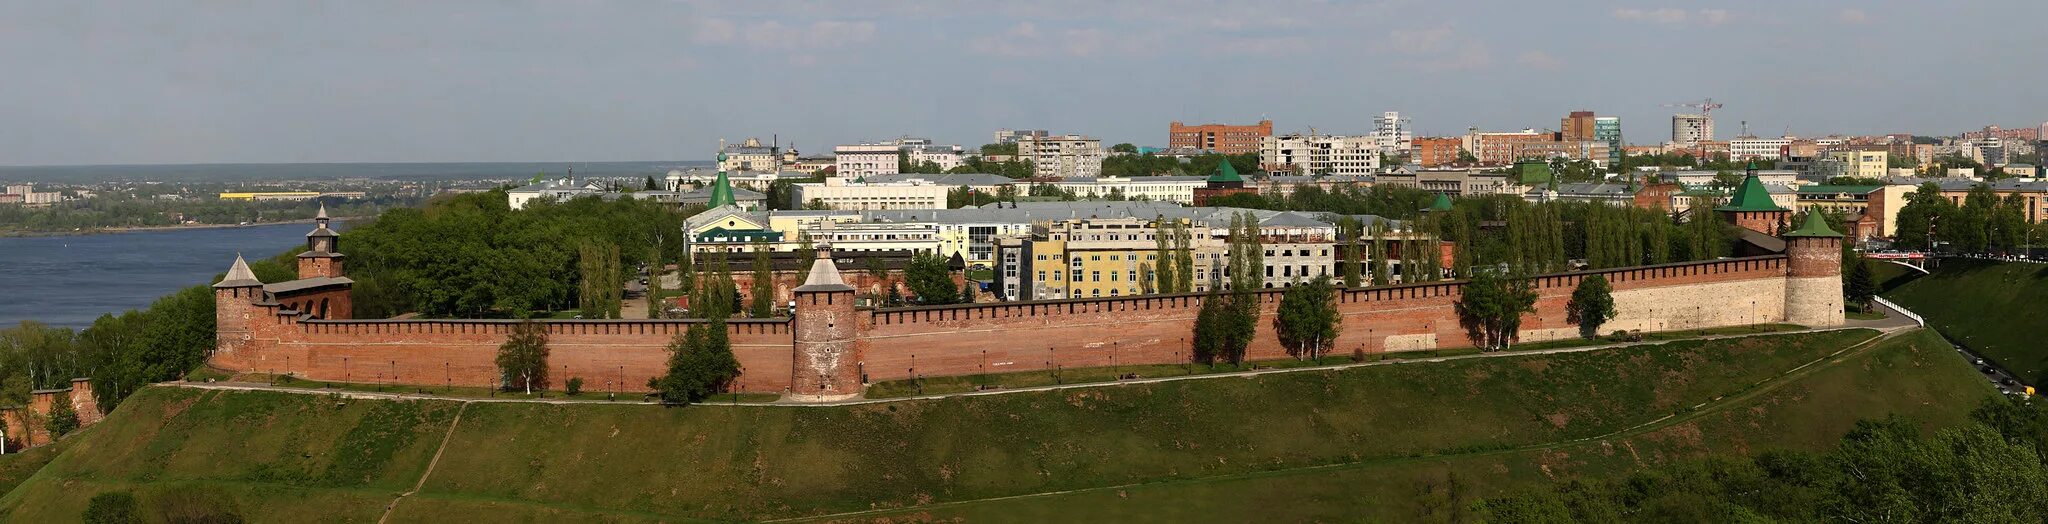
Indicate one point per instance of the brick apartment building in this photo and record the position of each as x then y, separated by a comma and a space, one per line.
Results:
1437, 151
1221, 138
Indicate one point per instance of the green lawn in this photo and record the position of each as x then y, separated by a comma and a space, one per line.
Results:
1995, 309
1221, 449
592, 393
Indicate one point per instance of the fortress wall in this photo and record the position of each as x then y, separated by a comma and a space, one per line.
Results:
608, 355
994, 338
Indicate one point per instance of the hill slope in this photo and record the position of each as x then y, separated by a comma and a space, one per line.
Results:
1993, 308
275, 456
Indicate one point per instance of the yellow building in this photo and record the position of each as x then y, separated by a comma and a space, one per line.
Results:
1088, 258
281, 195
1862, 164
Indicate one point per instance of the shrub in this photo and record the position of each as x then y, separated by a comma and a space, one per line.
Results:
575, 385
63, 420
113, 507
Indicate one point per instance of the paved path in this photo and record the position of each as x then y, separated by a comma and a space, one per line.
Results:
1889, 325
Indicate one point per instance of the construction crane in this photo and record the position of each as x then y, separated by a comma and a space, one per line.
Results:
1706, 107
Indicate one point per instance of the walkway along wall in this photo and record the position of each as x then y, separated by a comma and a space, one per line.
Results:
263, 337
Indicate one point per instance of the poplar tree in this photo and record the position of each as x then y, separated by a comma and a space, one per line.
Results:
1307, 320
763, 289
523, 358
1163, 264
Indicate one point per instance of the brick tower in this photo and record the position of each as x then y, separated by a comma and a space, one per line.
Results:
322, 257
1813, 283
1752, 208
234, 306
827, 359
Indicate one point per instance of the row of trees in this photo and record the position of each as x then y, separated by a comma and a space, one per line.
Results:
471, 256
121, 210
1982, 223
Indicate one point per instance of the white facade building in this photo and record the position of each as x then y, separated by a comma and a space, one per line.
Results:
1757, 148
1319, 155
750, 155
838, 193
1177, 189
1391, 133
1061, 156
859, 160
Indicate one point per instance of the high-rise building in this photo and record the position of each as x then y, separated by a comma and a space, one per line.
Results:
1576, 126
1221, 138
1391, 133
1010, 136
1608, 129
1688, 129
1749, 147
1061, 156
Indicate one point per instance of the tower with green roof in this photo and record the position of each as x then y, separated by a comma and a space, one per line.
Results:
721, 188
1751, 206
1813, 273
1226, 177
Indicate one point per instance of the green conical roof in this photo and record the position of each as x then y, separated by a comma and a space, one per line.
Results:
1751, 197
721, 191
1815, 226
1226, 173
1442, 203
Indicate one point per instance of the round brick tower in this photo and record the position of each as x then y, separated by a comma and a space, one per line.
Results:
1813, 280
827, 358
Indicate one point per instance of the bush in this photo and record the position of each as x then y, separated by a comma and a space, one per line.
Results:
63, 420
113, 507
196, 505
575, 385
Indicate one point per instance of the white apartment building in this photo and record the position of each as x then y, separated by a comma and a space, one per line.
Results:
860, 160
1061, 156
1318, 155
1689, 129
1862, 164
1745, 148
923, 150
1391, 133
839, 193
1177, 189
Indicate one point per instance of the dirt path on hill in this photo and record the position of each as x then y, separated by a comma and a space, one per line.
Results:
445, 437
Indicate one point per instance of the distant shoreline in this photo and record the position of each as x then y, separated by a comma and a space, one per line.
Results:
142, 229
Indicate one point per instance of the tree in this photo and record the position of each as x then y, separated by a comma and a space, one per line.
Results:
113, 507
1492, 306
523, 358
1308, 319
763, 292
1164, 275
1592, 304
930, 279
1465, 157
650, 184
1124, 148
1859, 286
63, 419
1348, 232
700, 364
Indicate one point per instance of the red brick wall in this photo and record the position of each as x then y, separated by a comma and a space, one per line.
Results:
863, 282
942, 340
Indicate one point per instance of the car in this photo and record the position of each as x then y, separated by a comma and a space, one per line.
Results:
1979, 362
2008, 381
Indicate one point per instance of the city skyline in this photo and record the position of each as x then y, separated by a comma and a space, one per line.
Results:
137, 83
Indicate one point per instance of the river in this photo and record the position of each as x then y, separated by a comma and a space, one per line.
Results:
67, 281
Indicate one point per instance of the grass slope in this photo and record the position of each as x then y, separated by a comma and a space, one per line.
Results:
268, 457
1914, 376
1990, 307
1466, 424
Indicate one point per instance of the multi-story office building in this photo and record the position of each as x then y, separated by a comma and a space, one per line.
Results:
1436, 151
1862, 164
750, 155
945, 156
1500, 147
1061, 156
1452, 183
1592, 150
1321, 155
1608, 129
1688, 129
842, 193
1575, 126
1750, 147
1221, 138
1176, 189
861, 160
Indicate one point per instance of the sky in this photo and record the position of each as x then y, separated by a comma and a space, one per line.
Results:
87, 82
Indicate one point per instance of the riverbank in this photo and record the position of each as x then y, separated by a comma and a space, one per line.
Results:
5, 233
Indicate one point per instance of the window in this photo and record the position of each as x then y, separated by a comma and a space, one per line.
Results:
1095, 276
1112, 292
1134, 275
1097, 258
1077, 275
1041, 276
1112, 258
1269, 271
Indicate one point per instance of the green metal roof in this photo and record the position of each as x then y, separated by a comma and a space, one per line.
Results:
1815, 226
1532, 172
1226, 173
1442, 203
721, 191
1751, 197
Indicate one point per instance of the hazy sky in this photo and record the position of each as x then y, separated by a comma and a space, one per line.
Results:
346, 81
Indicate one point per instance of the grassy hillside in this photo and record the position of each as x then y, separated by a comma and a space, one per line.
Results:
1916, 377
1995, 309
1401, 434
